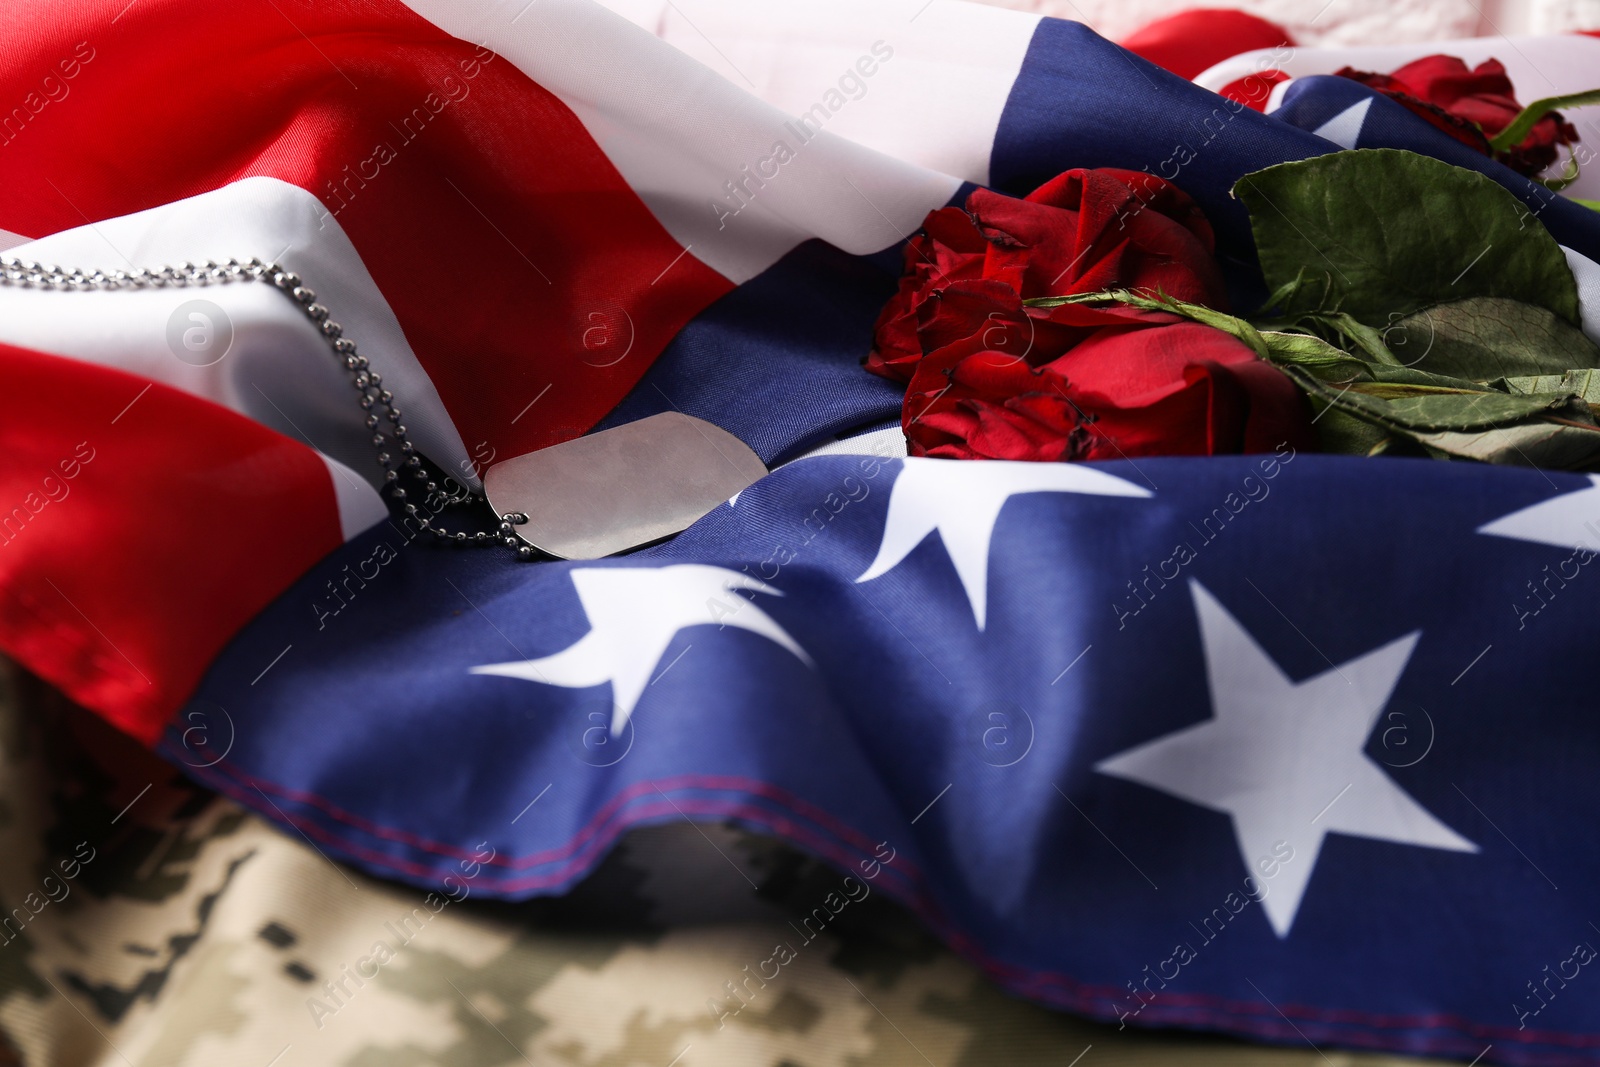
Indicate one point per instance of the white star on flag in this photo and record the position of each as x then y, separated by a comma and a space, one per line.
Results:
961, 501
1571, 520
1285, 759
634, 613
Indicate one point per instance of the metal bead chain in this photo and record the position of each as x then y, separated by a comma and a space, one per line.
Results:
394, 452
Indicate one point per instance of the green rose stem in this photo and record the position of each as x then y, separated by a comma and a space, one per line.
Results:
1529, 117
1445, 416
1229, 324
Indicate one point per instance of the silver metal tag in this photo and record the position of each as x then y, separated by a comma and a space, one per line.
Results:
621, 488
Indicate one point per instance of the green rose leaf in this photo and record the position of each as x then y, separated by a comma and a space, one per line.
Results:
1332, 364
1315, 354
1535, 444
1389, 233
1340, 431
1460, 410
1583, 383
1546, 429
1488, 337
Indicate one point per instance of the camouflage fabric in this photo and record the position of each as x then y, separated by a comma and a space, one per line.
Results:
149, 923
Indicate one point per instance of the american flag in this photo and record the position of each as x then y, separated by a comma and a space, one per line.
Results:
1290, 746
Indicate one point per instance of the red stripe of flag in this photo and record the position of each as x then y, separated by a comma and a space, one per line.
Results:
506, 243
140, 528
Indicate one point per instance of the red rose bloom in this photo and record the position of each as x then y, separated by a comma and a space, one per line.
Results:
1082, 232
1165, 386
1471, 106
992, 379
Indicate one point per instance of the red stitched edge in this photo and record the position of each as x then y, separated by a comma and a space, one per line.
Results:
799, 805
606, 825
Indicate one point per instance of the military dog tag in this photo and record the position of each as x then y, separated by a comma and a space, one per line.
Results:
621, 488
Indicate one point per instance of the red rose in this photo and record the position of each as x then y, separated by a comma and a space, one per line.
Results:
1082, 232
990, 378
1471, 106
1164, 386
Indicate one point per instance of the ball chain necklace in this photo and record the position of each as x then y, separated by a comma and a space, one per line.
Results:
395, 453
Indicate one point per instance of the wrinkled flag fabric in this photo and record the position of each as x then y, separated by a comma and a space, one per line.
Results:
1283, 745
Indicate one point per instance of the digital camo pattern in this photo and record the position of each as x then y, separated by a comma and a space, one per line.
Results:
151, 924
